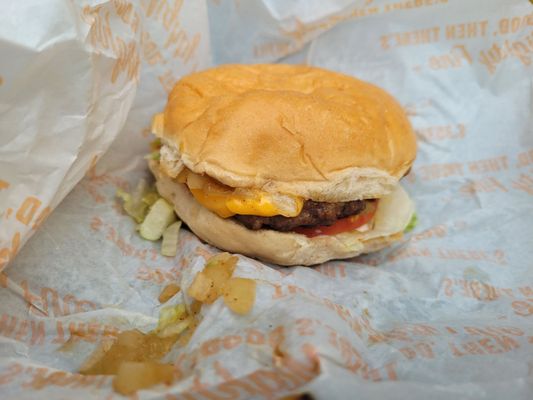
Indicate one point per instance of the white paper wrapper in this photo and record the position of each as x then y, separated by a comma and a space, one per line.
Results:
446, 314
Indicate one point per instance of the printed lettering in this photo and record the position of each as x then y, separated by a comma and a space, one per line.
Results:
457, 57
410, 38
526, 291
12, 371
230, 342
128, 61
6, 253
525, 158
521, 49
484, 185
27, 210
158, 275
524, 183
523, 308
515, 24
438, 171
410, 4
466, 30
210, 347
8, 325
42, 378
151, 52
488, 165
442, 132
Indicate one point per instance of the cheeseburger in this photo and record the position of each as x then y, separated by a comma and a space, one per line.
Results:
290, 164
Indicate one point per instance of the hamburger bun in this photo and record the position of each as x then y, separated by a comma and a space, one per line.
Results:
289, 129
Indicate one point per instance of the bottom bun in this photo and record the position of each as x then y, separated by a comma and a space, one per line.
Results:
392, 216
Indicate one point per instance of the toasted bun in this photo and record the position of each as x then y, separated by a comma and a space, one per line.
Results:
289, 129
392, 216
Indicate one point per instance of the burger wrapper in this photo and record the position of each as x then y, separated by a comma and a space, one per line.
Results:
446, 313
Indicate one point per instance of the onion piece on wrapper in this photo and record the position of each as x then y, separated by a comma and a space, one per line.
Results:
160, 216
169, 246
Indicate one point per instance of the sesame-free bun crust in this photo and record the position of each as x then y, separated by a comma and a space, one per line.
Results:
289, 129
281, 248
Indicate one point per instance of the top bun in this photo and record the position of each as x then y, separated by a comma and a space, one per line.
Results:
289, 129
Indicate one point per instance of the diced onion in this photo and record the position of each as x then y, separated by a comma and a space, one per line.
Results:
169, 246
168, 292
195, 181
289, 206
392, 216
133, 375
175, 329
170, 315
160, 216
239, 295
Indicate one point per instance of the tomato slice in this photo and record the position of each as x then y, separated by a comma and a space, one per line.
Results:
342, 225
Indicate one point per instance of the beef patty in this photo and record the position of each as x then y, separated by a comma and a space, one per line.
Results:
313, 213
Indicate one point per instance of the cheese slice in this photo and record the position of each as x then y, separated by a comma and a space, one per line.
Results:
213, 202
226, 202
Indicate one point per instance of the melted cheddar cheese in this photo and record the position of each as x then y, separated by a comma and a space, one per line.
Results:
226, 201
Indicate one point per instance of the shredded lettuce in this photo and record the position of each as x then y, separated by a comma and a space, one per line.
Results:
150, 198
169, 246
412, 223
172, 320
154, 155
136, 204
160, 216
